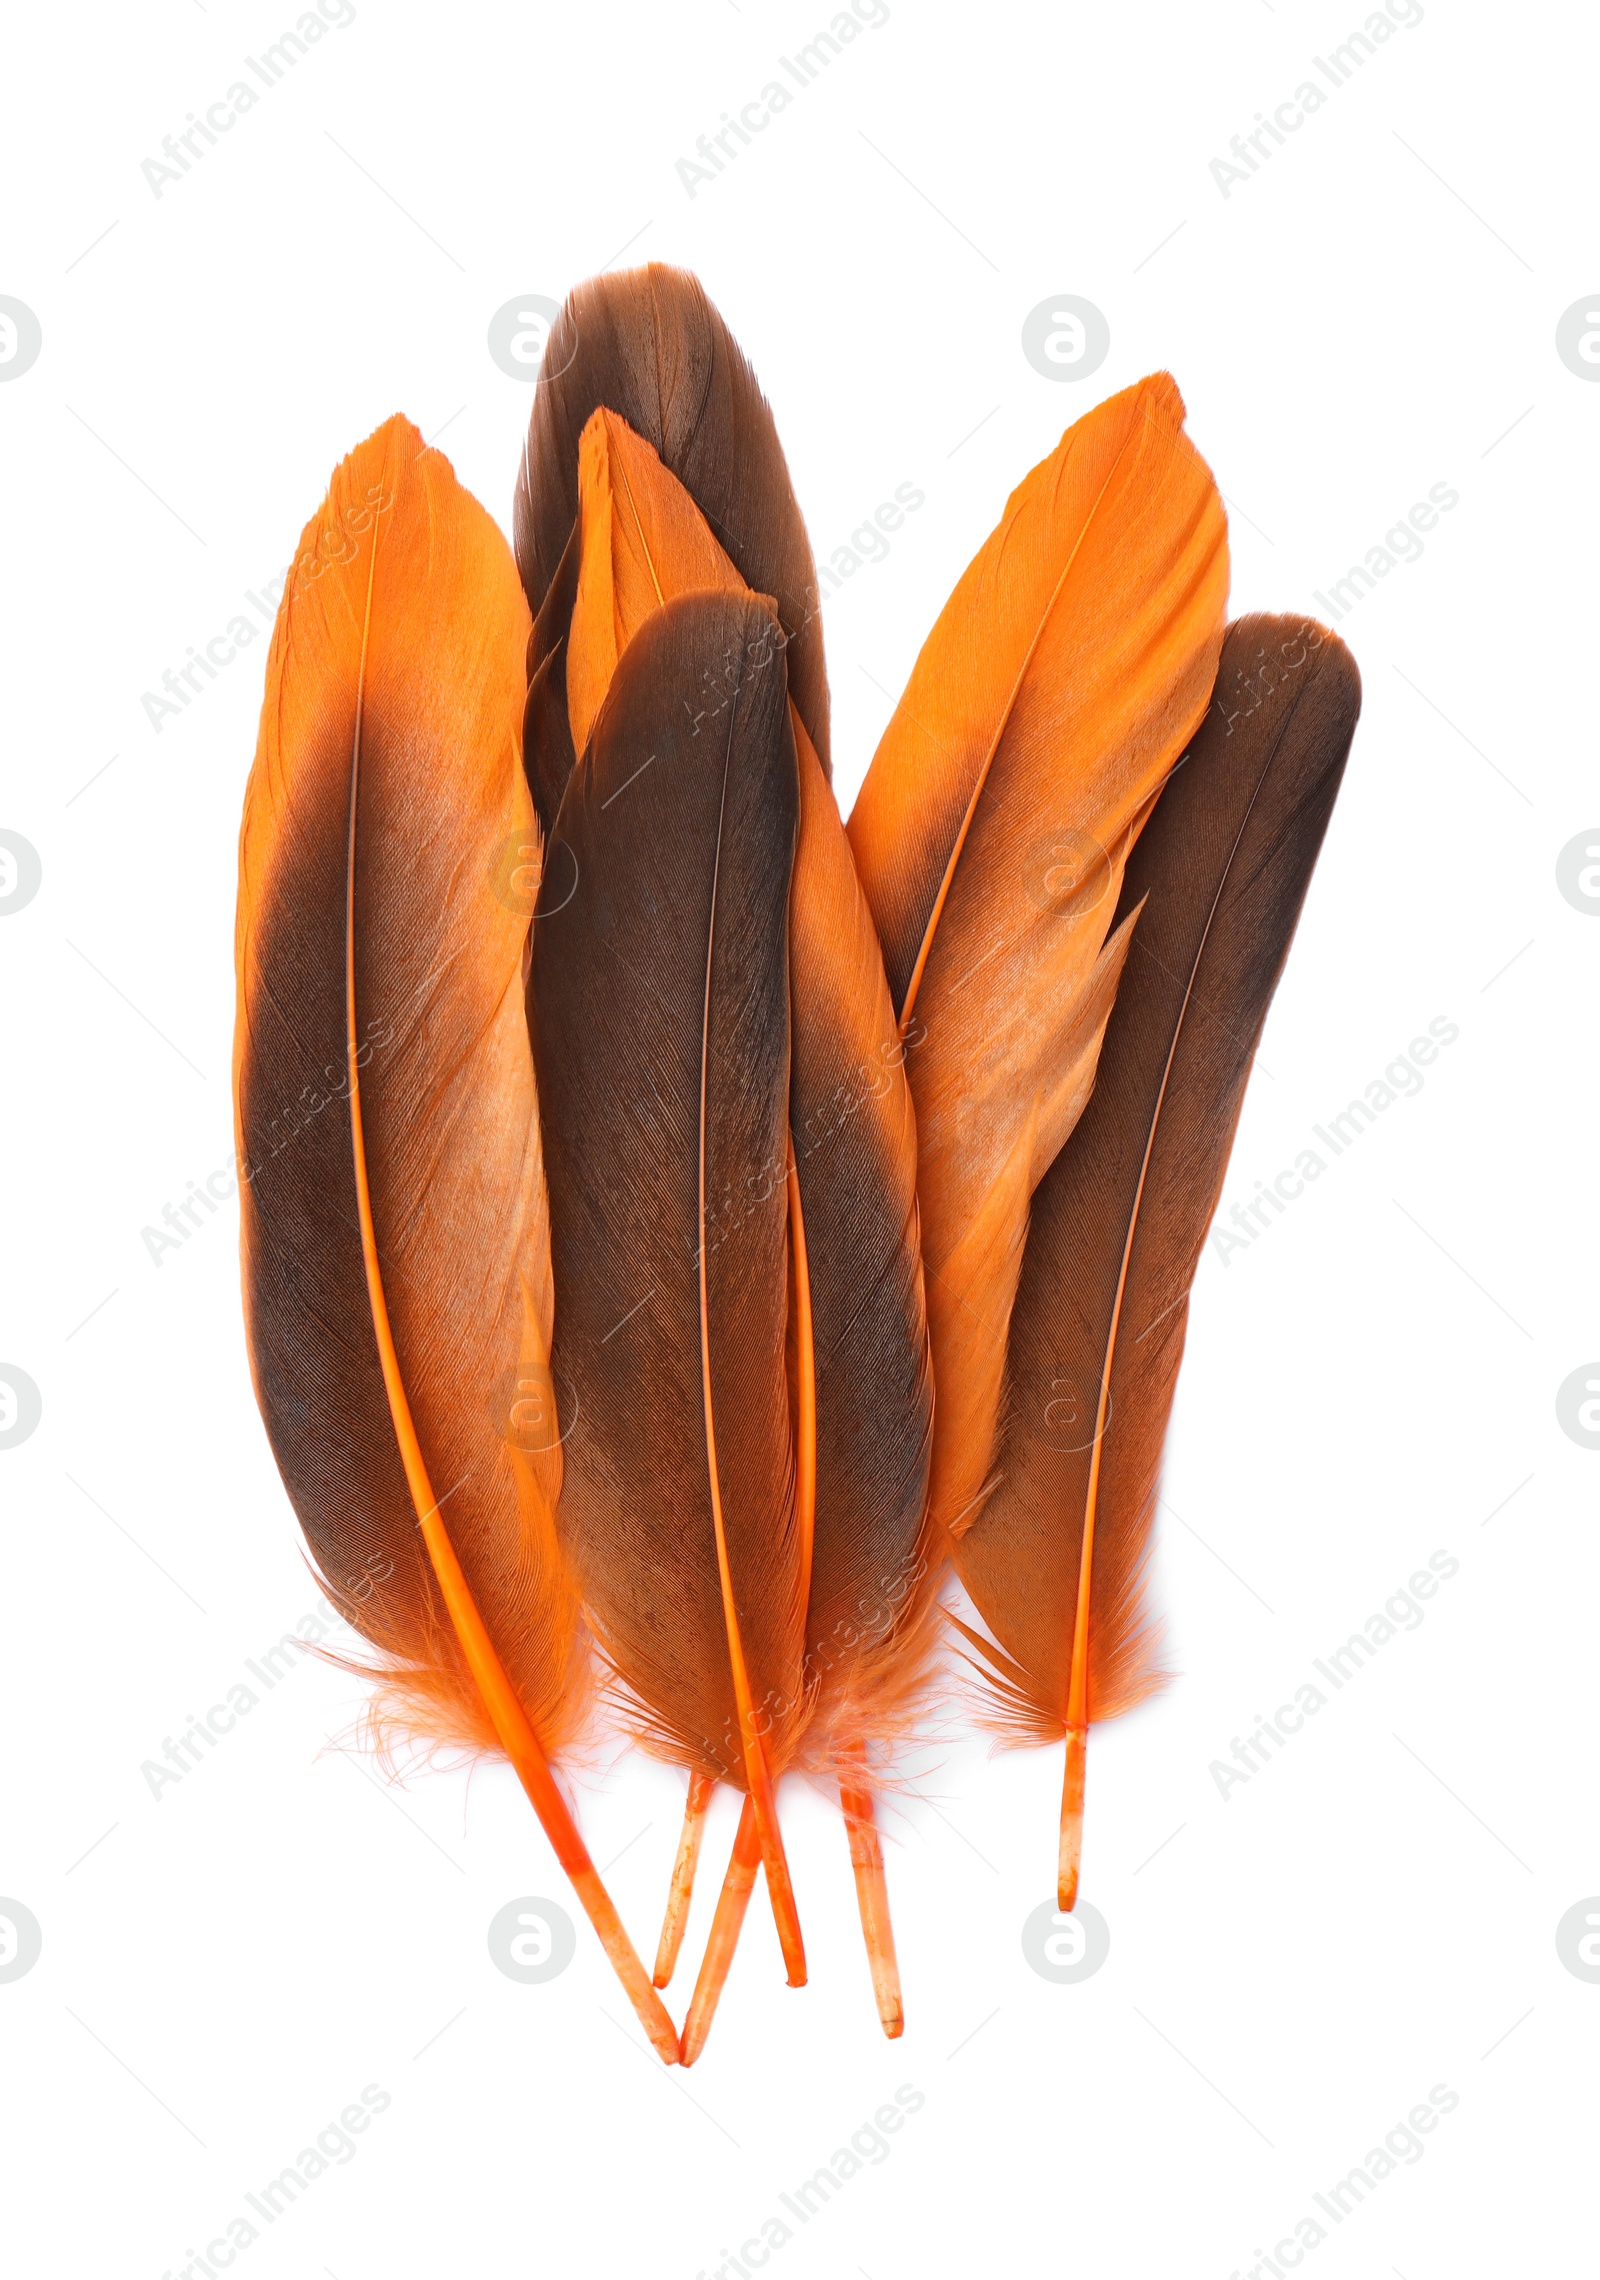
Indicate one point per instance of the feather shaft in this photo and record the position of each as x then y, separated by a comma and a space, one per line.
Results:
872, 1899
681, 1891
758, 1771
732, 1903
805, 1417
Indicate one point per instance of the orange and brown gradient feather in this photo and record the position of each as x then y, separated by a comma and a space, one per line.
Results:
395, 1238
861, 1388
662, 948
854, 1220
648, 344
1055, 1562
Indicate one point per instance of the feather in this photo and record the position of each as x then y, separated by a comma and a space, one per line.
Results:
863, 1357
642, 540
861, 1388
660, 998
1059, 685
1054, 1564
648, 344
852, 1126
395, 1241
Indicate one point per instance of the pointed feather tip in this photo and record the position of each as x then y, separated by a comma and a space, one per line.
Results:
397, 441
1159, 393
402, 431
1156, 396
349, 495
601, 441
397, 435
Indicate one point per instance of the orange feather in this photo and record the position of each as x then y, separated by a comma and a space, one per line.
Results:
1058, 687
395, 1240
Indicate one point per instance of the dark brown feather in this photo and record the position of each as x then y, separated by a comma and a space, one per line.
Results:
1216, 883
546, 737
661, 958
648, 344
864, 1375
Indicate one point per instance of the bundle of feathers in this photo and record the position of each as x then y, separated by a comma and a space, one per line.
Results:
685, 1234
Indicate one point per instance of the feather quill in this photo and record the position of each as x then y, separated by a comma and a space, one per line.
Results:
648, 344
1055, 1562
395, 1240
1060, 683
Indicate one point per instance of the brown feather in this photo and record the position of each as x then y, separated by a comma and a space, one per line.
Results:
855, 1235
546, 731
859, 1383
648, 344
660, 995
1213, 891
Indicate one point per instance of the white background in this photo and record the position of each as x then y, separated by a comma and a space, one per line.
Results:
1371, 313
